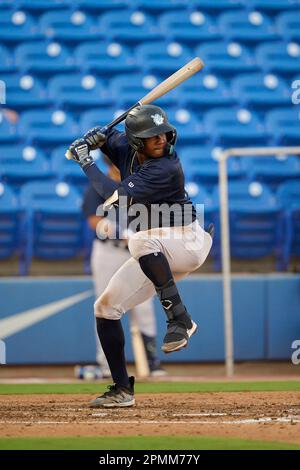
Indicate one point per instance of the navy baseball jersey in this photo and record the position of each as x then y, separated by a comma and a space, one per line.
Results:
156, 181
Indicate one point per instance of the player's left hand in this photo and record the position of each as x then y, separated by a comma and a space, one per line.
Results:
95, 137
79, 152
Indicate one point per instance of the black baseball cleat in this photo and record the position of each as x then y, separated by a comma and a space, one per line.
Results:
116, 397
178, 333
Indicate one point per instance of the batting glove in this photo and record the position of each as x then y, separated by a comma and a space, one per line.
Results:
80, 153
95, 138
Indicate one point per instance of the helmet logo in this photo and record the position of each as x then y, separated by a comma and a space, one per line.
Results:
158, 119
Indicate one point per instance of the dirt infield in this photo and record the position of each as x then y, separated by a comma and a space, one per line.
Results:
272, 416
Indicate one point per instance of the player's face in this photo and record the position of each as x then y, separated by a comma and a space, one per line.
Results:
155, 146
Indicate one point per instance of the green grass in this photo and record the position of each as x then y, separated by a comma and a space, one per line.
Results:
141, 443
153, 387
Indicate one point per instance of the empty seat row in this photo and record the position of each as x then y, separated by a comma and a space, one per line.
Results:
46, 221
132, 27
219, 126
79, 91
19, 164
261, 223
159, 57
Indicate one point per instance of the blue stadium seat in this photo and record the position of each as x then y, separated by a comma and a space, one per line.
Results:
279, 57
285, 125
9, 222
190, 130
6, 61
15, 26
37, 6
204, 91
246, 27
107, 60
8, 131
275, 170
231, 127
129, 27
69, 26
289, 196
261, 91
226, 59
288, 25
19, 163
104, 5
162, 58
48, 127
25, 92
99, 117
78, 91
201, 165
54, 222
129, 88
272, 6
256, 226
188, 27
43, 58
207, 172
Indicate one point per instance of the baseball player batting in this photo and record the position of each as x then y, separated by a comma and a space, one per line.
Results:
151, 174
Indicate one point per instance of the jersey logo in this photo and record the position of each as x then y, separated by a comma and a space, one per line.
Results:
131, 185
158, 119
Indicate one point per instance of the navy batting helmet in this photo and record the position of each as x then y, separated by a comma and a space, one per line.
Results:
147, 121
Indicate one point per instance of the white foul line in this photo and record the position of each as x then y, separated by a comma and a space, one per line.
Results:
231, 422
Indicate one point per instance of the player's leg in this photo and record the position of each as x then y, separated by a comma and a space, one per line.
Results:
127, 288
161, 251
106, 259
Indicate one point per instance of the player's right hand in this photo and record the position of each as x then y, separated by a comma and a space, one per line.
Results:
95, 138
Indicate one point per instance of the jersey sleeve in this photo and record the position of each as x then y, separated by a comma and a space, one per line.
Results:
116, 146
151, 184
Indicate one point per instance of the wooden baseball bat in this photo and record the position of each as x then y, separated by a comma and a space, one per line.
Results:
161, 89
139, 353
164, 87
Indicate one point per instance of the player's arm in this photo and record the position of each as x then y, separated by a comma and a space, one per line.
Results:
79, 152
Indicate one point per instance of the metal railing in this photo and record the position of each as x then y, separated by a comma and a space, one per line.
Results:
225, 238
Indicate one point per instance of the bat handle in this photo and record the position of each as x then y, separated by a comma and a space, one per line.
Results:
120, 118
